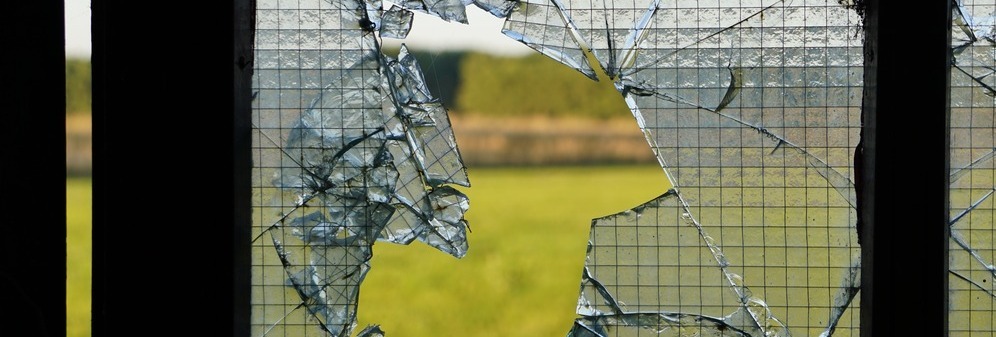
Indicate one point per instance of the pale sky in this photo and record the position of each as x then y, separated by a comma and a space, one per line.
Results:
428, 33
78, 28
482, 34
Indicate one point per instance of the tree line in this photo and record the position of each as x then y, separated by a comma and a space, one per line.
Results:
466, 83
79, 86
483, 84
533, 85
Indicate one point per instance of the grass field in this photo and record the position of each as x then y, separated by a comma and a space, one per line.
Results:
78, 253
520, 277
522, 273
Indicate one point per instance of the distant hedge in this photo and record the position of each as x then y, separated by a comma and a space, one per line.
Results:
78, 86
466, 83
483, 84
532, 85
442, 73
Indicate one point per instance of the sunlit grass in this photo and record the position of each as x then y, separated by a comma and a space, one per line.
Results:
78, 256
527, 249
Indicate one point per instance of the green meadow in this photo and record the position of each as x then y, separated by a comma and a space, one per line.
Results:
521, 275
527, 248
78, 256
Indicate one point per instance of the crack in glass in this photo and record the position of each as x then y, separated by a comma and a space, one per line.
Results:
753, 109
972, 179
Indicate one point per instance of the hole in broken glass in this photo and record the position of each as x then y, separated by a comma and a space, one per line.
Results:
530, 219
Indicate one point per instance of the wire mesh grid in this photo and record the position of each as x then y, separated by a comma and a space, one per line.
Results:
312, 68
751, 106
349, 148
972, 148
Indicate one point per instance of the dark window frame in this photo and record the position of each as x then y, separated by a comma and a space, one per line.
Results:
181, 95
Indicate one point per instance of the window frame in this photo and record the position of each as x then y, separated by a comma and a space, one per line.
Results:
204, 54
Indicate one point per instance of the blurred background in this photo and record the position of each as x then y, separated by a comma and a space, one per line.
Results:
78, 168
547, 150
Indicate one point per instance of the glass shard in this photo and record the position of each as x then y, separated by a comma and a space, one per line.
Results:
498, 8
612, 33
429, 127
371, 331
396, 23
544, 27
449, 10
350, 148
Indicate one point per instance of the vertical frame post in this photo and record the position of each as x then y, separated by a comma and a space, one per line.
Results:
242, 163
32, 169
903, 221
163, 188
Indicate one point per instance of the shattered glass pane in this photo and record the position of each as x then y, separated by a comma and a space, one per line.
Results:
753, 109
972, 248
350, 148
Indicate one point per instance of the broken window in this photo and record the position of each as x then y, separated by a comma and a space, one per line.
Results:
972, 150
752, 108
